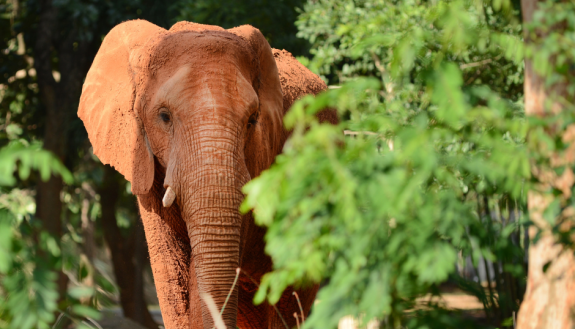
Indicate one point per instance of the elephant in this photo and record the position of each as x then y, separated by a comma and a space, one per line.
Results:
188, 116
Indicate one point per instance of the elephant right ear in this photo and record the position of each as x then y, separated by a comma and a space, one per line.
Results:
107, 104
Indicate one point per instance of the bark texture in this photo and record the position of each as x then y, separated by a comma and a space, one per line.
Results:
60, 101
549, 301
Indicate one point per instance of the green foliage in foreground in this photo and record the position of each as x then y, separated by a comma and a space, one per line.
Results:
28, 295
29, 256
438, 168
19, 155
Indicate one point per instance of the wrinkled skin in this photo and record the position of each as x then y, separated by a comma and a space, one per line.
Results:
198, 110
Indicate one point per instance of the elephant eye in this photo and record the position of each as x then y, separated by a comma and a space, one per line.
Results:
253, 119
165, 117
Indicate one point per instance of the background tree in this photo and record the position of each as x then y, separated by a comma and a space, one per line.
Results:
549, 85
129, 251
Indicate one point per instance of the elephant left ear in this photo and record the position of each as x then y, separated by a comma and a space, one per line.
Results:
270, 90
107, 103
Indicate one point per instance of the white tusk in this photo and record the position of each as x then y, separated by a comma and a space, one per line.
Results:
169, 197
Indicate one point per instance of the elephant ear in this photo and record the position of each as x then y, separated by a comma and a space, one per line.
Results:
270, 91
107, 104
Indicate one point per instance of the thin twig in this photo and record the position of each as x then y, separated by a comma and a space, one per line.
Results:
355, 133
468, 65
64, 314
231, 291
275, 308
300, 308
491, 300
218, 321
381, 69
498, 310
93, 322
470, 80
58, 320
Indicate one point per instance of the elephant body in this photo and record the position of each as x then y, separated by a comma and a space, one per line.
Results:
191, 114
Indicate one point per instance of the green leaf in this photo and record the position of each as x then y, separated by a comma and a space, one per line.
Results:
81, 292
86, 311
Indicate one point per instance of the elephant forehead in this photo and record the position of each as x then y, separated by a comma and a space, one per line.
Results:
173, 49
194, 89
224, 88
174, 84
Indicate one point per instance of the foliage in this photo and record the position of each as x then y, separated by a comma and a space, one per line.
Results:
28, 290
468, 34
436, 169
28, 157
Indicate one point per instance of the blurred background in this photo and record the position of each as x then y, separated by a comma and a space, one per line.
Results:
415, 217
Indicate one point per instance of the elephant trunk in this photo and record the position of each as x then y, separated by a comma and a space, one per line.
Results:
210, 199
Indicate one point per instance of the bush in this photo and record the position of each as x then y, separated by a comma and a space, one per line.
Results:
29, 256
434, 167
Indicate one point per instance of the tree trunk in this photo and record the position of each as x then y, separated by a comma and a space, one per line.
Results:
88, 227
48, 202
60, 101
549, 300
128, 253
88, 231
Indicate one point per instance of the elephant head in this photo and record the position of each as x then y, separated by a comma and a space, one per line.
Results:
205, 105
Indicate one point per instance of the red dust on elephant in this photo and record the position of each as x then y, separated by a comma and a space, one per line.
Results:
188, 116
